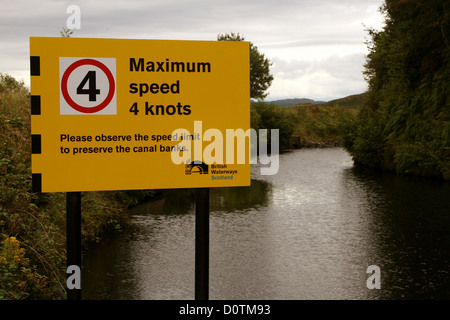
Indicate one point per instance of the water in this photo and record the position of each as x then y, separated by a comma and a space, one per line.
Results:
309, 232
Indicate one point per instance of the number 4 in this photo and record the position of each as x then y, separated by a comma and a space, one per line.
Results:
134, 109
92, 90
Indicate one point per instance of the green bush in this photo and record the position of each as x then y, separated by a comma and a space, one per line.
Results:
19, 279
404, 125
269, 116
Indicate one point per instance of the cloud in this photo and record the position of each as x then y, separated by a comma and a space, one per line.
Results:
310, 35
320, 79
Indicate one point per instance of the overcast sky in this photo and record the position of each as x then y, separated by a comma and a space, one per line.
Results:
316, 46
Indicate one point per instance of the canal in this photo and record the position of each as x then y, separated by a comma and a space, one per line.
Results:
308, 232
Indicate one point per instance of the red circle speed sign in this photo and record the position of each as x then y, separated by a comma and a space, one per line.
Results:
75, 105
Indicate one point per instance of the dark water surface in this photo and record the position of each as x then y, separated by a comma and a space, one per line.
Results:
308, 232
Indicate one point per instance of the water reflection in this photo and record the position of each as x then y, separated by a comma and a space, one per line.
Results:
308, 232
240, 198
408, 225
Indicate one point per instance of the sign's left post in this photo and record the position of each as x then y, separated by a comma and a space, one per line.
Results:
73, 238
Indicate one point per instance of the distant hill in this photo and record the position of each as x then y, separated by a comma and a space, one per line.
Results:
351, 101
291, 102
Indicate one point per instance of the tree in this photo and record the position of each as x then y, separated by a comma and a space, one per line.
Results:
405, 122
260, 77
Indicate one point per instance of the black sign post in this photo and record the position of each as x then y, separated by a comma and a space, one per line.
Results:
202, 244
73, 237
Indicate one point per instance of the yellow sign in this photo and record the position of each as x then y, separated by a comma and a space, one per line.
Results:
119, 114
